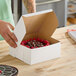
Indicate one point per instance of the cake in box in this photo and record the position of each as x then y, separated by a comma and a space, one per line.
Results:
36, 25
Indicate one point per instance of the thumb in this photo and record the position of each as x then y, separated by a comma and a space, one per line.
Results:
11, 26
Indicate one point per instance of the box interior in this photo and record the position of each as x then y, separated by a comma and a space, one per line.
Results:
41, 26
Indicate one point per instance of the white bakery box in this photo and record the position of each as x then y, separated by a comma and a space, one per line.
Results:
36, 25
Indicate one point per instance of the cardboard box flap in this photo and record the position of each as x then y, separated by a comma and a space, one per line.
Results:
34, 24
20, 30
44, 22
49, 25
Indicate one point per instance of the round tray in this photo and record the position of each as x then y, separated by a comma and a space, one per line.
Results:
6, 70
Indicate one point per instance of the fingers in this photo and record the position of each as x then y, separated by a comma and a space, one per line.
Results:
11, 34
7, 34
12, 27
9, 40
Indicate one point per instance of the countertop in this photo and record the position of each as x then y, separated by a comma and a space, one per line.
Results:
64, 66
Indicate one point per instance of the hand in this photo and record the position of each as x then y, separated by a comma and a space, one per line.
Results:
7, 34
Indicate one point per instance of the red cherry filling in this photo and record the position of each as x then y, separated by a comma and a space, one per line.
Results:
0, 72
35, 43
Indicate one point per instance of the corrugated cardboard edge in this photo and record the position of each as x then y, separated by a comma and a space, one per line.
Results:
37, 13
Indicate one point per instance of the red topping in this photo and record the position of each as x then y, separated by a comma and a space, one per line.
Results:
0, 71
35, 43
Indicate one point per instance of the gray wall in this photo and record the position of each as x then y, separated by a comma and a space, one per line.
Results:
60, 8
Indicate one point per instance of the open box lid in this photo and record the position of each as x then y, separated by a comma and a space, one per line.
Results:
44, 22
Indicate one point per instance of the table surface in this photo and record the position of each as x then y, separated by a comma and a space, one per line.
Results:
64, 66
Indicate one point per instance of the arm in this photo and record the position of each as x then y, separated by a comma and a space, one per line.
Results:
30, 5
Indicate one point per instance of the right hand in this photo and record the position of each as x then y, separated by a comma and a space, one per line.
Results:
7, 34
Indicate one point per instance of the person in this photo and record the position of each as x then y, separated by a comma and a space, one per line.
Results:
6, 20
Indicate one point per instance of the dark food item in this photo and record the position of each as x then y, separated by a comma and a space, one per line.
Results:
6, 70
35, 43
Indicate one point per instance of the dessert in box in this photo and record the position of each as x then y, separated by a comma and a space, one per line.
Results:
35, 43
34, 26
